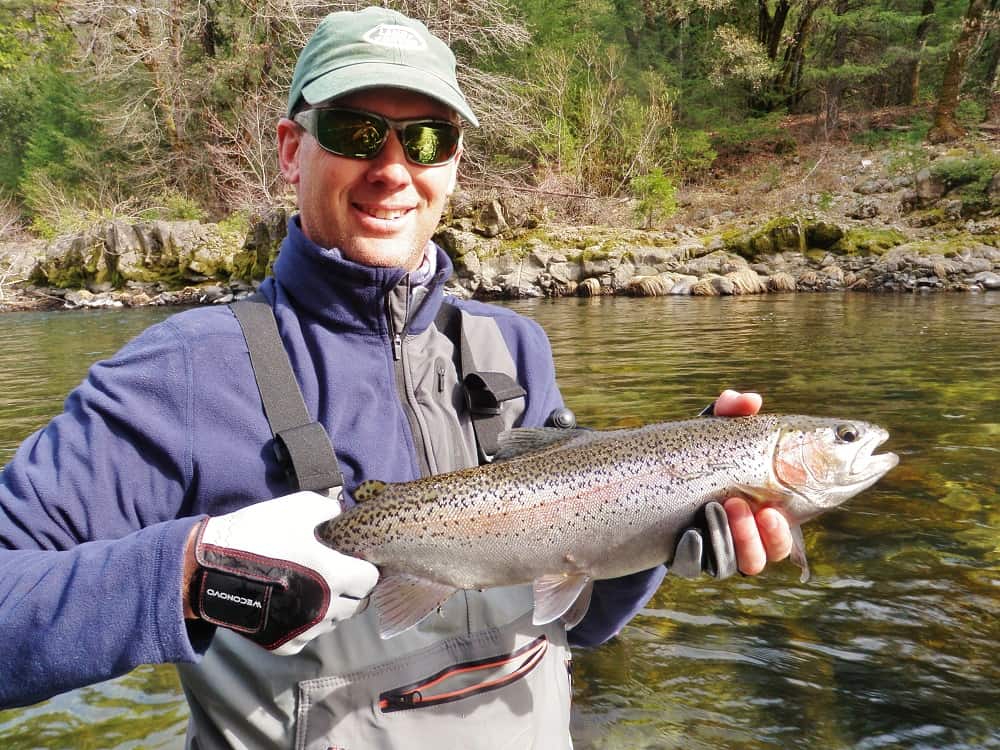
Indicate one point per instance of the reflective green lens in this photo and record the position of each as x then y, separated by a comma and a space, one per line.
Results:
350, 134
361, 135
430, 143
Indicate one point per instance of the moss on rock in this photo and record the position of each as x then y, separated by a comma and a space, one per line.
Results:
868, 241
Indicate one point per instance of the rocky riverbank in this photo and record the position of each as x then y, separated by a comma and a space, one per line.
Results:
934, 230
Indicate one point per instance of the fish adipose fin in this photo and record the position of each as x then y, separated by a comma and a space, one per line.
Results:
403, 600
522, 441
556, 595
369, 490
799, 552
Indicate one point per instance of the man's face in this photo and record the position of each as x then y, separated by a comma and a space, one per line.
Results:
379, 212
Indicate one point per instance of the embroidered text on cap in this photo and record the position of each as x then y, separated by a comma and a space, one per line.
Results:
392, 35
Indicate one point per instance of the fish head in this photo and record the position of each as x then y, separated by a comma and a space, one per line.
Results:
826, 461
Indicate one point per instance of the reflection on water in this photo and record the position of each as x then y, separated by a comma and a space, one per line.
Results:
892, 644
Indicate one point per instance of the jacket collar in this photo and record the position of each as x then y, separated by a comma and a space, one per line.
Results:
347, 295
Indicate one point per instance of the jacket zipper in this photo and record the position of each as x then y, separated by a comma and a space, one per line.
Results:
407, 399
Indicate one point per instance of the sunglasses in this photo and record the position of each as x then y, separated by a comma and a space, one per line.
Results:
361, 135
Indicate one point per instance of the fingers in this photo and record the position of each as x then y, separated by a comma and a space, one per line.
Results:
735, 404
759, 539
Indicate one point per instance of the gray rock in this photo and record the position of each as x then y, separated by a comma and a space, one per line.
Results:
929, 187
988, 280
878, 185
866, 208
491, 220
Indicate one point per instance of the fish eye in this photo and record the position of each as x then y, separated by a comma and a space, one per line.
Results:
848, 433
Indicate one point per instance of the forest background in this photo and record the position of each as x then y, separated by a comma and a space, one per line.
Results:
166, 109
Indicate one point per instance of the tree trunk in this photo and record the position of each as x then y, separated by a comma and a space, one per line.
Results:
946, 127
835, 85
926, 14
769, 27
790, 76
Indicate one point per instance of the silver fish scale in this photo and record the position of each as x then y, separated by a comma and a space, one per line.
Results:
609, 506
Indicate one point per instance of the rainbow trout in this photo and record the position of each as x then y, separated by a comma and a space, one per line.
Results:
562, 508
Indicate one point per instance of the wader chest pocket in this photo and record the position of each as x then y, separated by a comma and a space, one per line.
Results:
466, 680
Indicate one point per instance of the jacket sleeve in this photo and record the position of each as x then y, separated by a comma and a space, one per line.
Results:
92, 528
614, 601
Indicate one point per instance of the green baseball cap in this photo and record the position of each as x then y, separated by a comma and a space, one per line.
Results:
375, 47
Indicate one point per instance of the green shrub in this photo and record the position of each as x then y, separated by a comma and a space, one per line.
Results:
656, 195
693, 153
970, 113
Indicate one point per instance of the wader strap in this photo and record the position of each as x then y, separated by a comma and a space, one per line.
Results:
485, 392
301, 445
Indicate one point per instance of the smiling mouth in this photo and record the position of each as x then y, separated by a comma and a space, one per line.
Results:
384, 214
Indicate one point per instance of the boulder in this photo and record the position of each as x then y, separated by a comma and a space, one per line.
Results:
648, 286
491, 221
929, 187
745, 281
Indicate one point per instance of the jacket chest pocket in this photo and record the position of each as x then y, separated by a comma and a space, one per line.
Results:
496, 689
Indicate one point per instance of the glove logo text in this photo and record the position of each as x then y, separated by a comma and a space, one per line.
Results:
235, 599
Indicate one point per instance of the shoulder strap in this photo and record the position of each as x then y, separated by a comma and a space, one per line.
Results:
301, 445
485, 392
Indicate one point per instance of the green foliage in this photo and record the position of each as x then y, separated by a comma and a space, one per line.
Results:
971, 176
970, 113
911, 133
737, 137
656, 197
175, 206
694, 153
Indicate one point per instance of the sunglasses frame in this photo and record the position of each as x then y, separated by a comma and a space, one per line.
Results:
308, 121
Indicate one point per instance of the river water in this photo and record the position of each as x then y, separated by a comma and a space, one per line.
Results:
894, 642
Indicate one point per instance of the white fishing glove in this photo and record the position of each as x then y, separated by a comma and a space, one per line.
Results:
263, 573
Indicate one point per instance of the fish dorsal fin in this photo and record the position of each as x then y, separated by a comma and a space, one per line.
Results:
799, 552
555, 595
522, 441
402, 600
369, 490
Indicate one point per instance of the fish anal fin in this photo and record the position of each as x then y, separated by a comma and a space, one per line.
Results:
555, 595
799, 552
369, 490
402, 600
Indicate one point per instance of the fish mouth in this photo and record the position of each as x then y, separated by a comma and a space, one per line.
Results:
868, 465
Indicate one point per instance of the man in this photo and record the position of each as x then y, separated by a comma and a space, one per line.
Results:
136, 527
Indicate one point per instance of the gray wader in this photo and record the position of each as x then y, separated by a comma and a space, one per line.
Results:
475, 675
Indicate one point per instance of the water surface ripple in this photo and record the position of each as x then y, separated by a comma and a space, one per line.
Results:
892, 644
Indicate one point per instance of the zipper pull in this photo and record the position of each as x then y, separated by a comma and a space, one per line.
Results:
440, 378
397, 347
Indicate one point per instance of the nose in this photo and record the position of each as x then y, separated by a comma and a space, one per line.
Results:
390, 167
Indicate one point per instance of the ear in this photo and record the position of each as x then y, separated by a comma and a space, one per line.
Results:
289, 147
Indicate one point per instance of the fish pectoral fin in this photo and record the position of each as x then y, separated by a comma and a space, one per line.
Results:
556, 594
369, 490
402, 600
799, 552
522, 441
572, 616
763, 495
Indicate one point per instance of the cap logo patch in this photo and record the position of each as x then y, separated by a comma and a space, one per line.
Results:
393, 35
